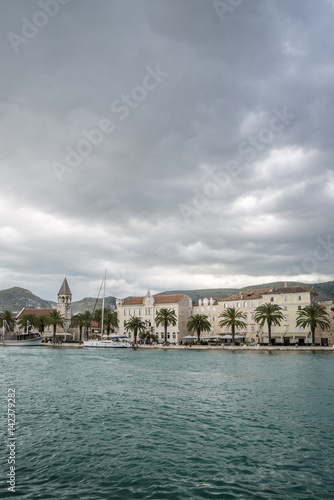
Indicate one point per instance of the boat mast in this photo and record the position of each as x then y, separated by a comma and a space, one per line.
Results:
104, 293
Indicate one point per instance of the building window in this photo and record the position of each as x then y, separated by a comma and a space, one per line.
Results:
299, 297
285, 298
125, 312
139, 312
252, 328
285, 308
168, 335
271, 299
245, 304
251, 303
130, 312
213, 318
259, 302
214, 309
174, 335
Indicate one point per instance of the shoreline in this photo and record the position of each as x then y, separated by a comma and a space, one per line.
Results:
209, 348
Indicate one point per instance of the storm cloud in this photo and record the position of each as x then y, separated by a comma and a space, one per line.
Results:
177, 144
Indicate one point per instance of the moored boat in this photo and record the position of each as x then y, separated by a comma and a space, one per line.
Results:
22, 339
114, 342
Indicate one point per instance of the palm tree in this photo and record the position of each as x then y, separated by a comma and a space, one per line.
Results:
7, 318
41, 322
87, 316
313, 316
27, 320
79, 321
55, 318
165, 317
233, 318
271, 314
197, 324
135, 325
110, 320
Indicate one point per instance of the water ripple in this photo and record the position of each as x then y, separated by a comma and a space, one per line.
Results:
170, 425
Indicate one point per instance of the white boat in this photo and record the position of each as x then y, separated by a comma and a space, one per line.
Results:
22, 339
106, 343
114, 342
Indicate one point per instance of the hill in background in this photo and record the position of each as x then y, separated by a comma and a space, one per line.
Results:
14, 299
87, 304
325, 290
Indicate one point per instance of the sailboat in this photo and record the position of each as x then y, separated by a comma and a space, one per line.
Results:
106, 343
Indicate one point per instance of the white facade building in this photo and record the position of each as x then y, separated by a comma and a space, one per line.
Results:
147, 308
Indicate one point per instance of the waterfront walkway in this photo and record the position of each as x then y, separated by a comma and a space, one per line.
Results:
209, 348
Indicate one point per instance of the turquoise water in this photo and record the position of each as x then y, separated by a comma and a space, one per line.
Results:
124, 424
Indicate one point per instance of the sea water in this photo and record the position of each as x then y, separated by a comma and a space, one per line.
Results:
161, 424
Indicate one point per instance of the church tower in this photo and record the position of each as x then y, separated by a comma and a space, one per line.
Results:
64, 305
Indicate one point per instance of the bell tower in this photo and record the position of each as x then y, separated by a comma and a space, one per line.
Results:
64, 305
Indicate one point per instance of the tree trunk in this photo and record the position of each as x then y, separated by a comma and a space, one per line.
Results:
313, 335
233, 332
165, 333
269, 334
54, 333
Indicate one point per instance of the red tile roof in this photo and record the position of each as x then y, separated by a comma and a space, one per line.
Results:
158, 299
133, 300
288, 289
162, 299
251, 293
37, 312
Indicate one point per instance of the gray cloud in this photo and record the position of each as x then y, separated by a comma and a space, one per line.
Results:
219, 175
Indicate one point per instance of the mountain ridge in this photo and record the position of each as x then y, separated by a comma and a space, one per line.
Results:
16, 298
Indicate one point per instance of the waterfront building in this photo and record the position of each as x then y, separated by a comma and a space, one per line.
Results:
209, 307
64, 306
326, 337
147, 308
290, 299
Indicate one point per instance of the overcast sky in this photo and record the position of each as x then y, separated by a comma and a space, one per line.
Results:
179, 144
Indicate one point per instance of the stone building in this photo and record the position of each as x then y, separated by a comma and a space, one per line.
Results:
326, 337
64, 306
290, 299
147, 307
